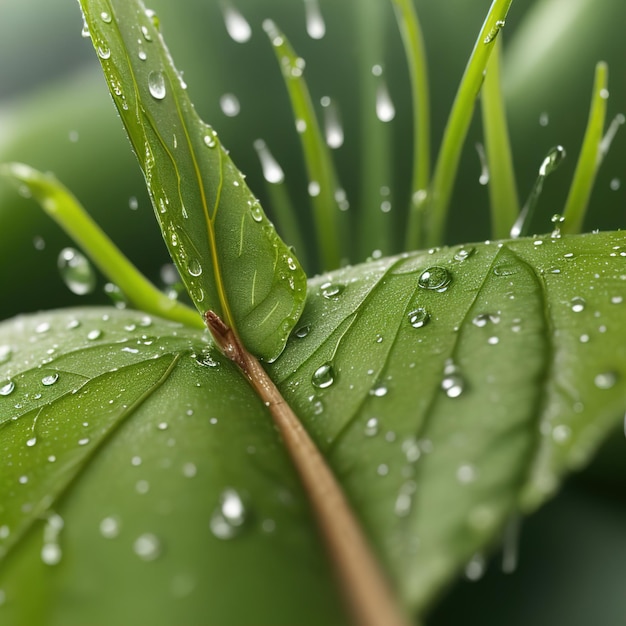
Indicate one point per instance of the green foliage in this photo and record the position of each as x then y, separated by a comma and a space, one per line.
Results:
450, 390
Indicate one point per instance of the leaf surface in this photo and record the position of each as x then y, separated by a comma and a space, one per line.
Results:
227, 252
446, 403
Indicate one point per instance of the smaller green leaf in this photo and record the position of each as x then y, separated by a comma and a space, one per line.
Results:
228, 254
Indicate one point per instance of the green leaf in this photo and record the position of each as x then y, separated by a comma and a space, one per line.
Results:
126, 440
229, 255
445, 402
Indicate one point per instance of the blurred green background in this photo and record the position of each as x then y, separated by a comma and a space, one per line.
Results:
55, 114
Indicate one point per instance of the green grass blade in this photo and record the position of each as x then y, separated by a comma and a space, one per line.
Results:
64, 208
227, 252
503, 196
375, 225
411, 31
590, 156
323, 183
440, 192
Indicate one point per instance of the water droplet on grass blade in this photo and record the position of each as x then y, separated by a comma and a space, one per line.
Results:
156, 85
76, 271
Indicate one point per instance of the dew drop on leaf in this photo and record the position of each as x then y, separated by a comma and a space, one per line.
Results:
194, 268
147, 547
302, 331
156, 85
379, 391
229, 517
371, 427
7, 388
331, 290
50, 379
475, 568
419, 317
105, 17
453, 384
606, 380
435, 279
323, 376
94, 334
256, 212
464, 253
51, 553
578, 304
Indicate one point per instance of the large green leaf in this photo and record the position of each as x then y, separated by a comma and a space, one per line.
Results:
445, 402
228, 254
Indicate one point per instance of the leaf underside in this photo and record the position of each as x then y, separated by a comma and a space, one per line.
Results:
439, 434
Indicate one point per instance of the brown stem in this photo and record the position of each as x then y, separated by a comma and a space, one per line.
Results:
365, 588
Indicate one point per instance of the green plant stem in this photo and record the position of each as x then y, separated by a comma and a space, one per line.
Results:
66, 210
320, 169
440, 192
411, 32
502, 188
365, 588
590, 157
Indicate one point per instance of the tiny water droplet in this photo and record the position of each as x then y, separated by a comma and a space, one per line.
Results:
505, 269
453, 384
229, 517
147, 547
50, 379
51, 553
331, 290
94, 334
385, 109
419, 317
76, 271
105, 17
324, 376
84, 441
606, 380
435, 279
464, 253
110, 527
379, 391
272, 171
371, 427
156, 84
314, 189
544, 118
333, 129
466, 474
578, 304
31, 442
302, 331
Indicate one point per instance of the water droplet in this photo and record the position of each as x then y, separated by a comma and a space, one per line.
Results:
189, 470
493, 33
333, 129
257, 213
606, 380
453, 384
272, 172
44, 327
84, 441
105, 17
5, 531
505, 269
405, 498
302, 331
435, 279
6, 352
76, 271
162, 426
331, 290
371, 427
483, 179
464, 253
229, 103
315, 25
104, 52
314, 189
379, 391
229, 517
7, 388
419, 317
110, 527
147, 547
561, 433
578, 304
385, 109
193, 267
466, 474
22, 480
236, 24
94, 334
615, 184
475, 569
146, 33
51, 553
483, 319
156, 85
31, 442
50, 379
324, 376
544, 118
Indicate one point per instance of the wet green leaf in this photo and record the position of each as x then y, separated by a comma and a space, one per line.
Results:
449, 390
228, 254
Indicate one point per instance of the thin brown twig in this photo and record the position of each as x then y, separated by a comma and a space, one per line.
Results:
365, 588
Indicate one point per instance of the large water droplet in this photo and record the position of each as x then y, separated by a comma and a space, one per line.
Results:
385, 109
7, 388
229, 103
147, 547
50, 379
578, 304
236, 24
606, 380
331, 290
229, 517
324, 376
194, 268
435, 279
76, 271
156, 85
110, 527
315, 25
419, 317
